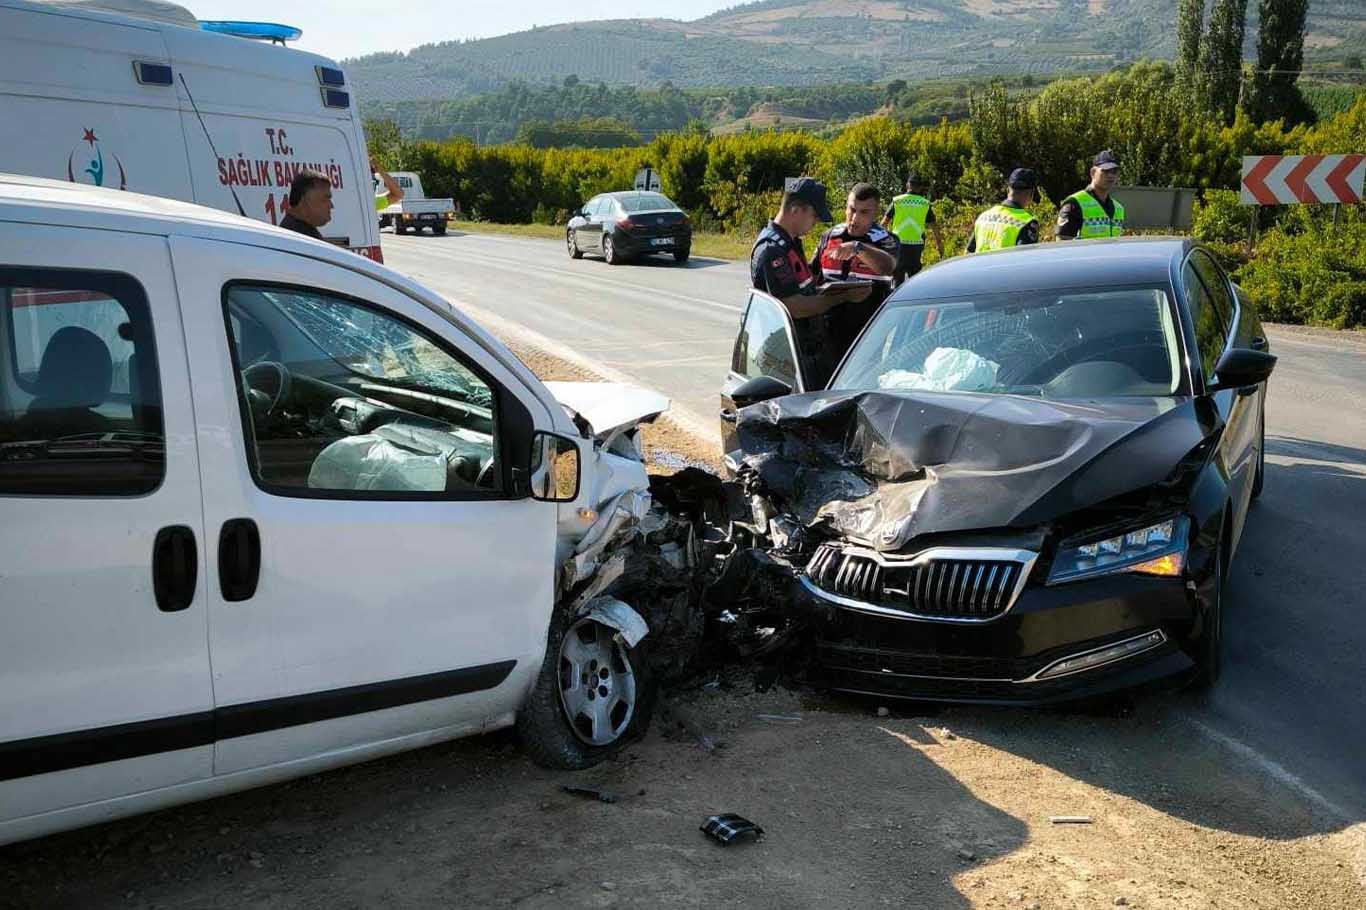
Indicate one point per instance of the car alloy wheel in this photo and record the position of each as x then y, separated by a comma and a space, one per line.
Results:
597, 683
572, 243
609, 250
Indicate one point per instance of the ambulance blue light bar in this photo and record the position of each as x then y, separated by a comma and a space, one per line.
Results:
152, 73
257, 31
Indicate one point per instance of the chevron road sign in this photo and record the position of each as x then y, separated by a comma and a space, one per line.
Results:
1293, 179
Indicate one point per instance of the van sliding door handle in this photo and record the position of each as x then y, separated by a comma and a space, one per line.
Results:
175, 568
239, 559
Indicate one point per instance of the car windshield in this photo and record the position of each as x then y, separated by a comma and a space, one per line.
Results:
1070, 343
645, 202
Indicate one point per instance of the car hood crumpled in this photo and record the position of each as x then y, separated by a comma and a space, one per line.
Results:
883, 467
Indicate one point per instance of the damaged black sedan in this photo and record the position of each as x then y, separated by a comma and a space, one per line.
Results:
1026, 481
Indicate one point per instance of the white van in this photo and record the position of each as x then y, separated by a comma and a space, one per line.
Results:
268, 508
152, 103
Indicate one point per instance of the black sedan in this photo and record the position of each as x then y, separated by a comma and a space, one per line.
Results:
1027, 479
624, 226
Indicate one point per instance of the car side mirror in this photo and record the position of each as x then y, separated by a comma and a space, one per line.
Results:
760, 388
556, 472
1242, 368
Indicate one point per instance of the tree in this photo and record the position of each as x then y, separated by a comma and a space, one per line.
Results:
1280, 54
1190, 25
1221, 58
1353, 62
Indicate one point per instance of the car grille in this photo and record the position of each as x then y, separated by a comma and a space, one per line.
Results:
936, 587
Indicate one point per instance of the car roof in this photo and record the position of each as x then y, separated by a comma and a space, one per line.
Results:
1072, 263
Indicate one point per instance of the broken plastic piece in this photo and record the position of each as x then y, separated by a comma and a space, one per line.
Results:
1070, 819
726, 828
613, 613
601, 796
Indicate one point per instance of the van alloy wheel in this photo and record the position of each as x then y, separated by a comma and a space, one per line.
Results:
597, 683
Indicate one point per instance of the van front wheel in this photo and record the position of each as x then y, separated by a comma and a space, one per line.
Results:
594, 695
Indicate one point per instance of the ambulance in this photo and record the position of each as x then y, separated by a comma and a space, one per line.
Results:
139, 95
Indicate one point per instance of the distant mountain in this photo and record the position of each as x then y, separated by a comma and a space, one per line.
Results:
812, 42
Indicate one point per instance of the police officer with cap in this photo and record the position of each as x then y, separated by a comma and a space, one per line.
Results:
778, 265
1009, 222
1093, 212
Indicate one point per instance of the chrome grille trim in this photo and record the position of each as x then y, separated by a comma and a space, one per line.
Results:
940, 584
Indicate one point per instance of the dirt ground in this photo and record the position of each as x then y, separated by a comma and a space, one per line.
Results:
863, 805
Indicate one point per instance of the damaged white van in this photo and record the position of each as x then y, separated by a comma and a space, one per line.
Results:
269, 508
138, 95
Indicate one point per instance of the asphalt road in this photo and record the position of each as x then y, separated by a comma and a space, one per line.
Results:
1293, 697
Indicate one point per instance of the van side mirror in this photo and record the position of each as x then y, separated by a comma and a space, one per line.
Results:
1242, 368
556, 472
760, 388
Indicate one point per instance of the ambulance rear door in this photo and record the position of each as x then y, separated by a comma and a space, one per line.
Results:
89, 98
269, 112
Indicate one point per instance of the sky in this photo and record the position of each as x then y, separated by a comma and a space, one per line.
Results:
349, 28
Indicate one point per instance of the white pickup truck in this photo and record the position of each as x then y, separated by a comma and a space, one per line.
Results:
415, 211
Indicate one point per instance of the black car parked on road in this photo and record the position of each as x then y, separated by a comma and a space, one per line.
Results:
625, 225
1027, 479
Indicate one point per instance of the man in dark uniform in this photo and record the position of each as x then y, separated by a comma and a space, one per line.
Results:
861, 250
778, 267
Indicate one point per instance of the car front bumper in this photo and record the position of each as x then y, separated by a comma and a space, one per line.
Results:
1131, 625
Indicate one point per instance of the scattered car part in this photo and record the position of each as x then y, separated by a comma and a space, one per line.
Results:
601, 796
1070, 819
729, 827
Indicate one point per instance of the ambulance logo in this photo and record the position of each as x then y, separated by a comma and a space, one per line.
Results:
86, 163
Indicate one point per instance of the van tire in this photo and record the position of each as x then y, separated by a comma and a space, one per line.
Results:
439, 230
400, 227
543, 724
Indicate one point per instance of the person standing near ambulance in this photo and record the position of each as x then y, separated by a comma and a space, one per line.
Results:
909, 216
393, 193
1092, 212
310, 201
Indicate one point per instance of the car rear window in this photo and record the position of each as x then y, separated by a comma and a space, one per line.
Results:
645, 202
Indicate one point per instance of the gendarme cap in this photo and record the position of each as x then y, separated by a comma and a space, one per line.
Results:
1023, 178
811, 191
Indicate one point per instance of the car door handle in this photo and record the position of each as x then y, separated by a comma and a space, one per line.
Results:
175, 568
728, 415
1259, 343
239, 559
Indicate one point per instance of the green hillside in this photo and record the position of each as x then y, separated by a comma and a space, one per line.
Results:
815, 42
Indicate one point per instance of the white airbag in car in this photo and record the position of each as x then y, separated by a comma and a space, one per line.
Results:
370, 462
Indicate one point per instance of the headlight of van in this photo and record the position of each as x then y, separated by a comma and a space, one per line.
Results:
1155, 549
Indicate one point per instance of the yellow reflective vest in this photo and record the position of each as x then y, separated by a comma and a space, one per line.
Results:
999, 227
1094, 221
909, 213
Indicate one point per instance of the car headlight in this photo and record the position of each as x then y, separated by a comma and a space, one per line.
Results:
1157, 549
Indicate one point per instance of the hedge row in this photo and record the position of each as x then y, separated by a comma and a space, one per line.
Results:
1303, 271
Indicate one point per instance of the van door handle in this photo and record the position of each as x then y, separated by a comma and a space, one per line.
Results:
239, 559
175, 568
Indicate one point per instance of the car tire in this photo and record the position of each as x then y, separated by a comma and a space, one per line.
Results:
1209, 650
1259, 478
572, 243
563, 724
681, 256
400, 228
609, 250
439, 229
